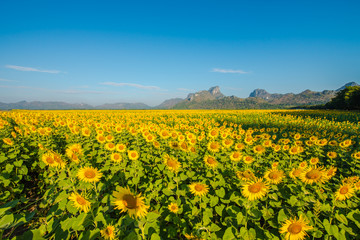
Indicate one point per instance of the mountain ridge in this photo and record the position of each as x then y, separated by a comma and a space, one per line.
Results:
205, 99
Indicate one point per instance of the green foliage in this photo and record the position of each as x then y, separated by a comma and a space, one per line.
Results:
348, 98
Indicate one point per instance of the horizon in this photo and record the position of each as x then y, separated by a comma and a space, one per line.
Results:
148, 52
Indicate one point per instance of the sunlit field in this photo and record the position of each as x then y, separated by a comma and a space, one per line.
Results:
179, 175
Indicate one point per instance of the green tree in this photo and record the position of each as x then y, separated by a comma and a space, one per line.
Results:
348, 98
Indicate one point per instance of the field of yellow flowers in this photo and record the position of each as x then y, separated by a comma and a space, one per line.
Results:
179, 175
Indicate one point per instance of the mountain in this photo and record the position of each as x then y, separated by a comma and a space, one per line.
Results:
350, 84
37, 105
206, 99
170, 103
119, 106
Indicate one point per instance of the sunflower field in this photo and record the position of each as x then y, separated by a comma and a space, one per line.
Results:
179, 174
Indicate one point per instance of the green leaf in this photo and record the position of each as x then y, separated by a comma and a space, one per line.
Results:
152, 216
341, 218
155, 236
214, 227
7, 206
220, 192
90, 235
229, 234
213, 201
6, 221
18, 163
219, 209
281, 216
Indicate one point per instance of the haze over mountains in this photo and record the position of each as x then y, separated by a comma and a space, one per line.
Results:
206, 99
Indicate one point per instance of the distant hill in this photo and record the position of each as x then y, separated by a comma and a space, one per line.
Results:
206, 99
350, 84
37, 105
170, 103
258, 99
306, 97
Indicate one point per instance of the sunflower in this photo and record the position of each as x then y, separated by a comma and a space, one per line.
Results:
108, 232
74, 152
116, 157
214, 133
100, 138
133, 155
312, 175
255, 189
210, 161
110, 146
274, 175
198, 189
173, 207
248, 159
246, 175
295, 172
356, 155
89, 174
120, 147
80, 202
59, 160
85, 132
357, 186
331, 155
213, 146
295, 229
329, 173
303, 165
172, 163
227, 143
239, 146
48, 159
235, 156
174, 145
258, 149
294, 150
345, 191
276, 147
314, 160
8, 141
131, 203
109, 138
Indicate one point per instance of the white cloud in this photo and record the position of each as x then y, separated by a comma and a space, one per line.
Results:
130, 85
229, 71
6, 80
30, 69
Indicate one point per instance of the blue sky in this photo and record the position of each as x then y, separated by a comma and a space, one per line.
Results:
148, 51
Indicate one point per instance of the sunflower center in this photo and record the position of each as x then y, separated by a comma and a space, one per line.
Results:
295, 228
81, 201
247, 174
199, 188
89, 173
130, 201
255, 188
50, 160
236, 155
116, 157
108, 231
297, 172
344, 190
274, 175
211, 161
213, 146
313, 174
133, 155
171, 163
